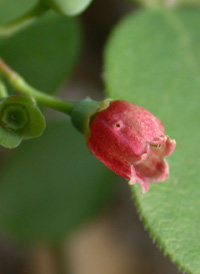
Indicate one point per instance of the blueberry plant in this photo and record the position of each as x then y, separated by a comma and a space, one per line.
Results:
151, 63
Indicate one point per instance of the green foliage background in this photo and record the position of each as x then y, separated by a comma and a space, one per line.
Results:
52, 185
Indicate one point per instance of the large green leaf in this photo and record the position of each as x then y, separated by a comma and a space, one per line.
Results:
153, 59
45, 52
51, 186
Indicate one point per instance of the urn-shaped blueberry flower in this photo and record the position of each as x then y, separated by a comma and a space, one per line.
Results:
132, 142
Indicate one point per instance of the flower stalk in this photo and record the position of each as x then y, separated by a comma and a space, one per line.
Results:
18, 83
3, 90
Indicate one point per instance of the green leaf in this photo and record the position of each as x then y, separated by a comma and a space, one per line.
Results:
11, 9
68, 7
20, 119
51, 186
153, 59
44, 53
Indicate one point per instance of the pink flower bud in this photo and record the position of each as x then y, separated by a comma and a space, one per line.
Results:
132, 142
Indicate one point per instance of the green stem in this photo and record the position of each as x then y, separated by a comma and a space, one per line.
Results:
23, 21
23, 87
3, 90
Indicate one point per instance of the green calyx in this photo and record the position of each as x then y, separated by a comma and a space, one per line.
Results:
83, 112
68, 7
20, 119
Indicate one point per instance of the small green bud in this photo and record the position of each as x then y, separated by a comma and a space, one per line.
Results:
20, 119
68, 7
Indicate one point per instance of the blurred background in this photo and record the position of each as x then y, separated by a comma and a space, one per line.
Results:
65, 212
